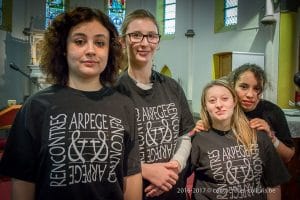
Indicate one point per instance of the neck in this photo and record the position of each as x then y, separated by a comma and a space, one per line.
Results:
85, 85
222, 126
140, 75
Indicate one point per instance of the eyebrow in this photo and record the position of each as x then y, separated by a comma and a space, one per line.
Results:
82, 34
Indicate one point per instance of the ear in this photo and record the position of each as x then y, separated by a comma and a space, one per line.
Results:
122, 41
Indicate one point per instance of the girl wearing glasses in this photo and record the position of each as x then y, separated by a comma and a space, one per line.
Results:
162, 112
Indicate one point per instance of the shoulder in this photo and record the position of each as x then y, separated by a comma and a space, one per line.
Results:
268, 105
167, 82
43, 96
118, 98
122, 84
158, 77
200, 136
263, 139
261, 135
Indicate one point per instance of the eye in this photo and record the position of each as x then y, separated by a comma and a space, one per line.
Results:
137, 35
100, 43
243, 86
153, 36
225, 98
79, 42
211, 101
257, 89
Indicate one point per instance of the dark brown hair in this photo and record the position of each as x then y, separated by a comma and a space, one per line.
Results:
53, 59
258, 72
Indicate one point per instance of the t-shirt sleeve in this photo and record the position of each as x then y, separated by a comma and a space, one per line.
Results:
19, 158
274, 171
132, 163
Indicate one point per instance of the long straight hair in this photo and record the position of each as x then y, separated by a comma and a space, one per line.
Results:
239, 123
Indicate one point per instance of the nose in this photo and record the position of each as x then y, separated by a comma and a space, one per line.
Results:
218, 104
90, 49
250, 93
145, 39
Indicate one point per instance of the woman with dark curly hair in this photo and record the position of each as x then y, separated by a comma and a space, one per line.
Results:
77, 138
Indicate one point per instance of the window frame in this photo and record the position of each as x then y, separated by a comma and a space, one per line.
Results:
219, 25
230, 8
160, 12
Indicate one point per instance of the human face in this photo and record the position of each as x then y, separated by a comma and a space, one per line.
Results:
220, 105
141, 53
87, 52
248, 91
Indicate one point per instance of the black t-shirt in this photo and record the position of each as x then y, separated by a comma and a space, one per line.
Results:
73, 144
224, 170
162, 115
275, 117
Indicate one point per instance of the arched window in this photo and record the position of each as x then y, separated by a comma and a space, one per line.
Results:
116, 11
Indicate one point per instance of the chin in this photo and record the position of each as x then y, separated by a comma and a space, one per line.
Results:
248, 109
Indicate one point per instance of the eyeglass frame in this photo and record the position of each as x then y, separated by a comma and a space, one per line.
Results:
144, 35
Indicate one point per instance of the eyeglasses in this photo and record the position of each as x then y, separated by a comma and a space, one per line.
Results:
138, 37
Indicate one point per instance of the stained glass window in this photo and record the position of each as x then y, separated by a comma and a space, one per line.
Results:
230, 12
53, 8
169, 17
116, 12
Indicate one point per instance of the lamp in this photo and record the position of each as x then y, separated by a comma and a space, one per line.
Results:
269, 18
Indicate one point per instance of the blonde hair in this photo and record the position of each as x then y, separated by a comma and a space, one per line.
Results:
239, 122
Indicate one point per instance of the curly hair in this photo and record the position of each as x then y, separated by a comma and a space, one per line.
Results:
258, 72
53, 57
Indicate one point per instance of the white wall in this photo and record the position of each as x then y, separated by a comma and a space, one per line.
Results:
250, 36
189, 59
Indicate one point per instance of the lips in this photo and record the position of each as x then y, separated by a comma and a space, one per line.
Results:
143, 53
247, 103
89, 63
221, 112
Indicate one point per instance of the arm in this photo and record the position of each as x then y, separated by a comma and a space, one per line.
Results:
274, 193
286, 153
133, 186
199, 126
182, 154
183, 151
161, 175
153, 190
22, 190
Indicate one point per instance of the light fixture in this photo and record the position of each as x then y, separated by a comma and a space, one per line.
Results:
189, 33
269, 18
